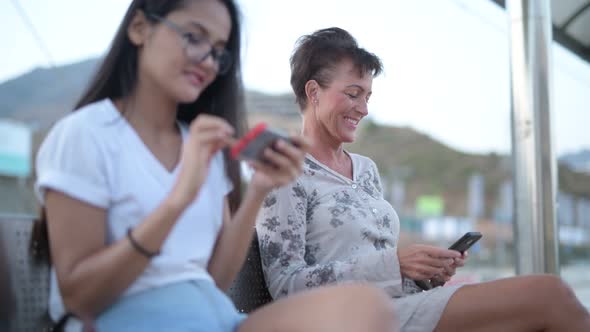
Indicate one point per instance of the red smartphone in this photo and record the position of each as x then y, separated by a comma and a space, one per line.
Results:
461, 245
251, 146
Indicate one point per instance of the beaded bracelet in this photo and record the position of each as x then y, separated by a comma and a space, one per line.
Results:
139, 247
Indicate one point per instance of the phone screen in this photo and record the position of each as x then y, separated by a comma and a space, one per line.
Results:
466, 241
251, 146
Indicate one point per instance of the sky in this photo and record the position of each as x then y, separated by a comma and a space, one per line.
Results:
446, 62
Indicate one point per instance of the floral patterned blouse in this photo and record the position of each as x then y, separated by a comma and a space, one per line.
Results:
325, 228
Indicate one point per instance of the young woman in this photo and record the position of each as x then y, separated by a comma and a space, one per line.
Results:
135, 185
332, 224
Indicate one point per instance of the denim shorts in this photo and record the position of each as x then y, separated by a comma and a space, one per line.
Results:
185, 306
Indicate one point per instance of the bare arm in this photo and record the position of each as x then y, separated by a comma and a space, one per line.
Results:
234, 240
91, 275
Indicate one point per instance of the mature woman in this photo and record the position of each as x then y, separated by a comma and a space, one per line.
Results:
143, 230
332, 225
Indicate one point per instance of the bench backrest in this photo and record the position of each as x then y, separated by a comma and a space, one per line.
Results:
249, 291
29, 281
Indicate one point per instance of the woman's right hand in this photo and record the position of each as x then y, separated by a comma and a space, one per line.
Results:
207, 135
420, 262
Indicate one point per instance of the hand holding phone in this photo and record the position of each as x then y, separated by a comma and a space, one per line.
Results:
461, 245
466, 241
252, 145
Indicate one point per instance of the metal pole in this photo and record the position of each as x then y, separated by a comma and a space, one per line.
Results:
534, 162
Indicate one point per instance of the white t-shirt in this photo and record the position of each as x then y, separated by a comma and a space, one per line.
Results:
95, 156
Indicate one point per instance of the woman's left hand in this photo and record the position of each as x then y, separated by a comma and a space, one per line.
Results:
460, 262
450, 270
284, 164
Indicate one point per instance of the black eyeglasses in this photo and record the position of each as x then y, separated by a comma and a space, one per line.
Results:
198, 48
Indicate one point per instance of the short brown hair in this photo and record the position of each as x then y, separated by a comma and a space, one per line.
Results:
317, 54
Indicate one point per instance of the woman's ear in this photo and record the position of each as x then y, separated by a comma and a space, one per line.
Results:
137, 29
311, 91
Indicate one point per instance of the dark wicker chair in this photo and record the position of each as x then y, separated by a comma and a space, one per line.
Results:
30, 281
249, 291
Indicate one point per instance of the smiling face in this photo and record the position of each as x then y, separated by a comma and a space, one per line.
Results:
164, 61
339, 107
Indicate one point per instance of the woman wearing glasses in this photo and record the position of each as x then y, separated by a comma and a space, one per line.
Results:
141, 202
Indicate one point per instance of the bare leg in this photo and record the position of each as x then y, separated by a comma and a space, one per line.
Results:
528, 303
336, 308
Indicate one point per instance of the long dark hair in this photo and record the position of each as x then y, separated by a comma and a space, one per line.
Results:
117, 77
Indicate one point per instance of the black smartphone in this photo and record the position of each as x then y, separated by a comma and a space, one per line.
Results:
251, 146
461, 245
466, 241
424, 284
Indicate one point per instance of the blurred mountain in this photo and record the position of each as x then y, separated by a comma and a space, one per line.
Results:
38, 98
579, 161
43, 95
427, 166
